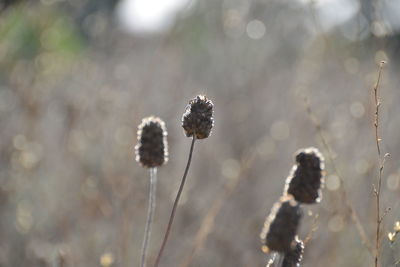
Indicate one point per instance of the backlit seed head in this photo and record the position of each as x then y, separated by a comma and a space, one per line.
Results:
294, 257
198, 117
306, 178
281, 225
152, 148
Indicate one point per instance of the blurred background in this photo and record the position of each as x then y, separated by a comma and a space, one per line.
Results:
77, 77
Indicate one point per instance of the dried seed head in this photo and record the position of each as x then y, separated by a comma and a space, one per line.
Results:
152, 148
306, 177
294, 257
281, 225
198, 117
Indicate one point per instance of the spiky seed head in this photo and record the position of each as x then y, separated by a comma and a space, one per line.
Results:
152, 148
294, 257
281, 225
198, 117
307, 176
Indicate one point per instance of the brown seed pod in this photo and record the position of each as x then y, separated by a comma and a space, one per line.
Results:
294, 257
198, 117
281, 225
306, 177
152, 148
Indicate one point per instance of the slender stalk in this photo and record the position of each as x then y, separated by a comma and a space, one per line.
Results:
348, 205
150, 215
377, 105
171, 218
59, 260
279, 260
377, 189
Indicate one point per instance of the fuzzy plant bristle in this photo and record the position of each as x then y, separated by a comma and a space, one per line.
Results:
294, 257
281, 225
306, 177
152, 148
198, 117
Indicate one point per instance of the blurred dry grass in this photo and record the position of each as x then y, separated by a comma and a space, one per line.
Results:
72, 95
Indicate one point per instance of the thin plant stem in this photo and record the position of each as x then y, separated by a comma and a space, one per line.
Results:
377, 189
60, 260
349, 207
313, 229
150, 215
208, 221
172, 216
377, 105
279, 260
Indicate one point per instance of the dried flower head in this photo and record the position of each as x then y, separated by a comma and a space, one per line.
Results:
198, 117
281, 225
152, 148
294, 257
306, 177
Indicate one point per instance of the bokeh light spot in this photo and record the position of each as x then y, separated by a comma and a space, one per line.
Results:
107, 259
230, 168
336, 223
332, 182
392, 181
280, 130
357, 109
255, 29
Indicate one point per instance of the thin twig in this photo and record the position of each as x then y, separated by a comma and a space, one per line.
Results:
377, 190
354, 216
314, 227
171, 219
60, 260
387, 210
279, 260
377, 105
150, 215
208, 221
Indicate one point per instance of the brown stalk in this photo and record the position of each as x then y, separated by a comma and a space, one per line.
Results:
377, 189
354, 216
313, 229
208, 221
171, 218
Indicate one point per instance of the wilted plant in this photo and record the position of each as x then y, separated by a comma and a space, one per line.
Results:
348, 206
281, 225
151, 152
303, 186
197, 122
306, 177
382, 159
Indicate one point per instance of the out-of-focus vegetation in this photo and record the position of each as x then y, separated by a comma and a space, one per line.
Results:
74, 86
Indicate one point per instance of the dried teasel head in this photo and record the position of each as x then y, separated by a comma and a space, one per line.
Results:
280, 227
306, 178
152, 148
294, 257
198, 117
